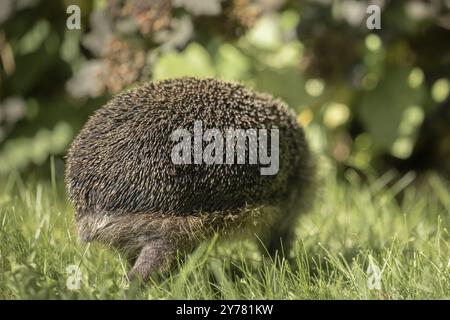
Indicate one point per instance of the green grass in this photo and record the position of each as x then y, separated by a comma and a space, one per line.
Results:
353, 227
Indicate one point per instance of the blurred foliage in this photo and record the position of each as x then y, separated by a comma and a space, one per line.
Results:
370, 99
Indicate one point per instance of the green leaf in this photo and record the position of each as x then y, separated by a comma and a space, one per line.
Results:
193, 61
231, 63
382, 109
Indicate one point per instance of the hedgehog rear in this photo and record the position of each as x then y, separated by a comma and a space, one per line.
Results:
127, 190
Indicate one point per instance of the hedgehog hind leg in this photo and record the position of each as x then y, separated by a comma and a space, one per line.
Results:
279, 240
300, 201
280, 236
156, 256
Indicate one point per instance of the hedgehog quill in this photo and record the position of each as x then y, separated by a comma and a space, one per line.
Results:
129, 193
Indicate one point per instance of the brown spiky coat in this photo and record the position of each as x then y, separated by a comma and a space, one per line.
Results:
127, 192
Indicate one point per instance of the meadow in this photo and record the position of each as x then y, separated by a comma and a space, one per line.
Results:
384, 238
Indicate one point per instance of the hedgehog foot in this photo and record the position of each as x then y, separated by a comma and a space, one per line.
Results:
280, 244
279, 238
154, 257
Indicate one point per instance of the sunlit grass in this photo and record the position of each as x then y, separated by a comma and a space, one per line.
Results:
402, 230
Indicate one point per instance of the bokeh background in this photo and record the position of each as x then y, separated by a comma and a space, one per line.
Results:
371, 100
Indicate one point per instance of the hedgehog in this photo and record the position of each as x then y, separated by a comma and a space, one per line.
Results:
130, 194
